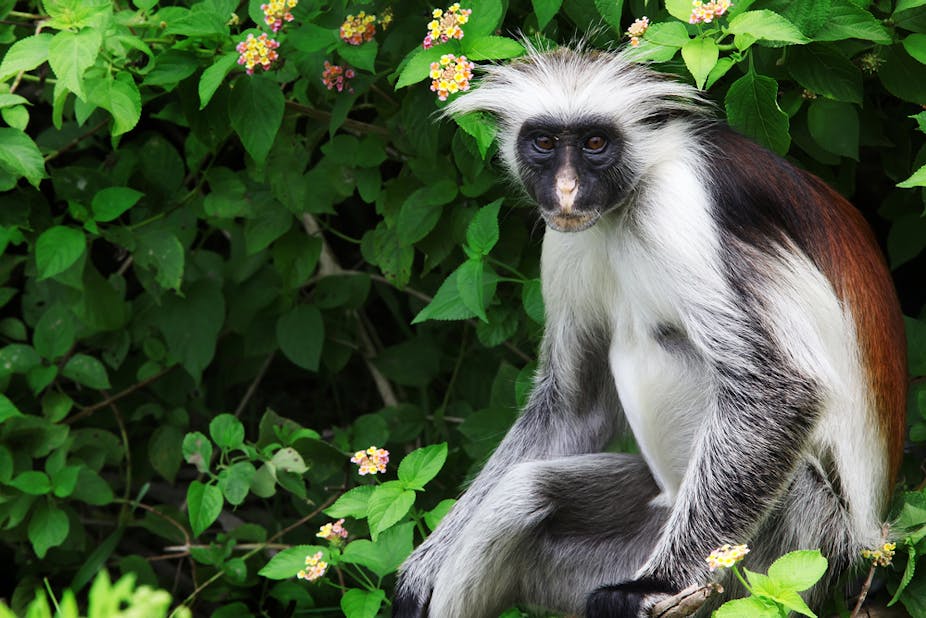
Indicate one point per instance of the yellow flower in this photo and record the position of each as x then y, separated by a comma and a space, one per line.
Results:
726, 556
315, 568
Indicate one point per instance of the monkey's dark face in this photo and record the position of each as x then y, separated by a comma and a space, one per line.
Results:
571, 170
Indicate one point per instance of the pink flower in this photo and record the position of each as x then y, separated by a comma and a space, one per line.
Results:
257, 51
371, 461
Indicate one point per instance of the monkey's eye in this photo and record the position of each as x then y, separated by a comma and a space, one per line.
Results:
595, 143
544, 143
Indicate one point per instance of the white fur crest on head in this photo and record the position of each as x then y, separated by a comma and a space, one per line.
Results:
570, 83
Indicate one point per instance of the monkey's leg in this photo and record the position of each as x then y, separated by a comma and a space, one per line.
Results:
573, 409
549, 533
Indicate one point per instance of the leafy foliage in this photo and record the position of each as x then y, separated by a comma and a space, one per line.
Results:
216, 286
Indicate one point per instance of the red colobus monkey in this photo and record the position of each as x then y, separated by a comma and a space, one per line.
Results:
729, 308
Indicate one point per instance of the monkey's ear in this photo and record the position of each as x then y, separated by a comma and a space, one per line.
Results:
632, 599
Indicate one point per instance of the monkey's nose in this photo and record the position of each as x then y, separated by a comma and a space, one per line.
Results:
567, 184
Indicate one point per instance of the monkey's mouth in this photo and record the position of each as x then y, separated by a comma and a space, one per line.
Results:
570, 222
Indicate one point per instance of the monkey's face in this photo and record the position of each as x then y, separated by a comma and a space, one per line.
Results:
572, 171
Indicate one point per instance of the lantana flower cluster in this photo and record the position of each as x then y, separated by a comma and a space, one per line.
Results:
450, 75
358, 29
371, 461
337, 77
315, 567
333, 531
278, 11
637, 29
705, 13
257, 51
882, 557
726, 556
446, 25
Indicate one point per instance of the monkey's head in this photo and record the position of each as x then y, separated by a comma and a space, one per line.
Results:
579, 129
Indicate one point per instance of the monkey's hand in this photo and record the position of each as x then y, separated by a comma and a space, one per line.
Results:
633, 599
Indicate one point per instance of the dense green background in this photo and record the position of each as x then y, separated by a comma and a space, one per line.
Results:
216, 287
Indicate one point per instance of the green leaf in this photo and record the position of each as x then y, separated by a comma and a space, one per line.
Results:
160, 250
798, 570
482, 232
545, 10
849, 21
197, 450
300, 335
256, 113
57, 248
700, 56
916, 346
164, 451
419, 62
908, 573
92, 489
765, 25
170, 68
834, 126
360, 56
48, 527
421, 465
70, 55
823, 70
610, 11
903, 76
86, 370
353, 503
7, 408
55, 332
17, 358
470, 275
213, 77
25, 55
235, 481
906, 5
32, 482
20, 156
447, 303
421, 211
485, 19
120, 97
386, 554
226, 431
669, 34
109, 204
491, 47
205, 504
752, 109
481, 127
679, 9
754, 607
191, 325
918, 179
915, 44
433, 517
389, 503
357, 603
290, 561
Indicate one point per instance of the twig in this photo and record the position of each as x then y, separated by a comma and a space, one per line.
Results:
38, 29
87, 411
238, 546
353, 125
54, 154
252, 388
863, 593
686, 602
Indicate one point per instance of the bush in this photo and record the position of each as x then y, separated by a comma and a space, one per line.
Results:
218, 286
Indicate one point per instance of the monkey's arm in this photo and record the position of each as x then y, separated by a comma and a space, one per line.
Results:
762, 415
559, 419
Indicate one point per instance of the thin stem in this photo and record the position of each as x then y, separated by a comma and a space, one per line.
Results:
252, 388
87, 411
54, 154
739, 576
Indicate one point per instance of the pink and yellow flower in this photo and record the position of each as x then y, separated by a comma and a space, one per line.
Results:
315, 568
450, 75
278, 11
358, 29
257, 51
705, 13
336, 77
332, 531
726, 556
637, 29
446, 25
371, 461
